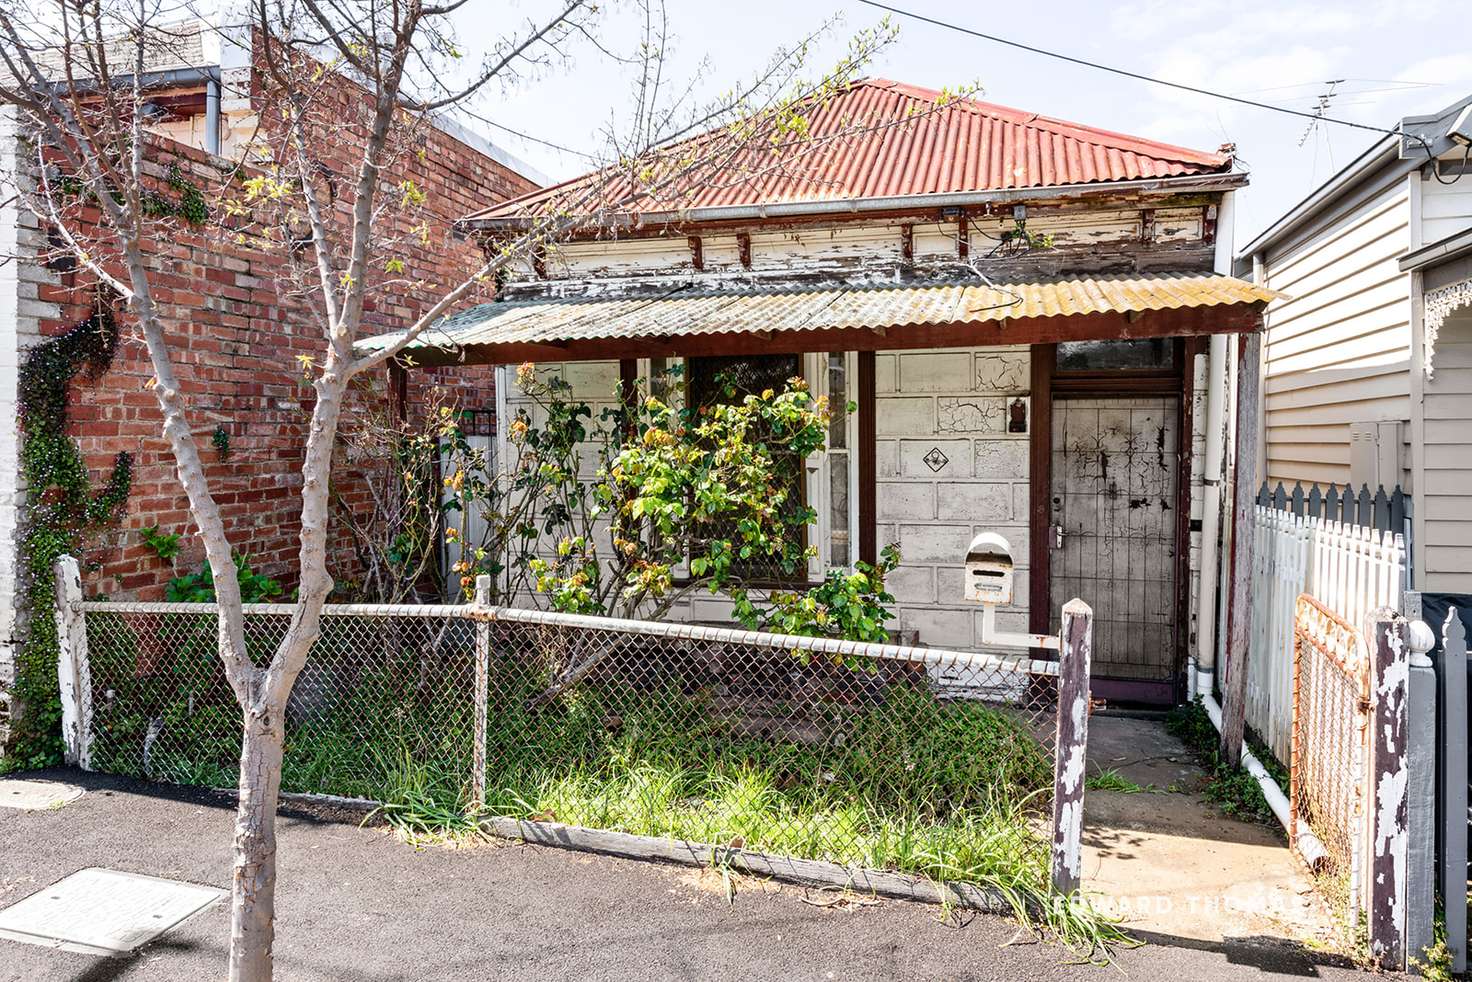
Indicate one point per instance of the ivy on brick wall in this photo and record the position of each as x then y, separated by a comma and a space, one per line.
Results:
187, 202
63, 509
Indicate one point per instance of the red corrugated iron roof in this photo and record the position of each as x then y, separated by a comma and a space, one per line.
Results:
881, 138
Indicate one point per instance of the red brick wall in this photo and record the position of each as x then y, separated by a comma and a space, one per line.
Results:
236, 336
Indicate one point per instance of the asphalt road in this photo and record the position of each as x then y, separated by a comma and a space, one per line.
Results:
356, 904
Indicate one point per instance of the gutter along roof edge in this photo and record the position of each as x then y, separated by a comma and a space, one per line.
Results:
917, 202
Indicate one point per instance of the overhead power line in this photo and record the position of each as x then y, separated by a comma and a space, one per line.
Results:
1134, 75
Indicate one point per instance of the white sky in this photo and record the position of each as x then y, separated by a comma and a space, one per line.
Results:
1277, 52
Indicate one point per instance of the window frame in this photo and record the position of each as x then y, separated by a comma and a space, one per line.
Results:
813, 368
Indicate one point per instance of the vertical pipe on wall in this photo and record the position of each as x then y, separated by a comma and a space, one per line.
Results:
212, 114
1212, 480
1193, 456
868, 471
1212, 476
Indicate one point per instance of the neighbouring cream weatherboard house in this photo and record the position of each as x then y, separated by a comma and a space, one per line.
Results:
1367, 364
1031, 317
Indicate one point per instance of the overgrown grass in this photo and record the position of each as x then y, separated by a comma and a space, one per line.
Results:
886, 777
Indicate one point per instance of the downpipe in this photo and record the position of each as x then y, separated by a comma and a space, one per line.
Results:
1308, 844
1201, 672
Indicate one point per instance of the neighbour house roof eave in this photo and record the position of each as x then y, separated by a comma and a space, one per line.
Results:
893, 203
1454, 246
1380, 153
225, 47
1409, 142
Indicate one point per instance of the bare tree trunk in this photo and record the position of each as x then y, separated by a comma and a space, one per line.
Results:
253, 894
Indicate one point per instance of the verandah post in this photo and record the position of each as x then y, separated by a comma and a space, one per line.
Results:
1076, 646
1385, 632
1239, 595
482, 678
73, 672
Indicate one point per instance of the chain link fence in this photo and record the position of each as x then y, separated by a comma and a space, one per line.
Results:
385, 702
919, 760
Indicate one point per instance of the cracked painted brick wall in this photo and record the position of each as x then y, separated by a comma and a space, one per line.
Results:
948, 467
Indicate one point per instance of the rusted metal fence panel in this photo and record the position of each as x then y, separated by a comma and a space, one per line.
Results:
1330, 738
1355, 770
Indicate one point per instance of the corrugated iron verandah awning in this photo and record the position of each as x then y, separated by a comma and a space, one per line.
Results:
755, 318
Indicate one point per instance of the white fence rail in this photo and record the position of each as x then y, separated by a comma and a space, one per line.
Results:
1350, 569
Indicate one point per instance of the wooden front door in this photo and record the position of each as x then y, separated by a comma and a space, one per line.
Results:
1113, 535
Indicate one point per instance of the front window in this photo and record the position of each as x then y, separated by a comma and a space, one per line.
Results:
727, 380
1148, 354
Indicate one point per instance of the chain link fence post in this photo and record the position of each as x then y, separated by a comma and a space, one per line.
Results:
72, 670
1069, 754
482, 678
1389, 808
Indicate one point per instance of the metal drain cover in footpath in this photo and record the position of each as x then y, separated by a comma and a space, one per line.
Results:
36, 795
103, 912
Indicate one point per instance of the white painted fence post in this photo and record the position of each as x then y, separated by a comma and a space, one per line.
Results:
1069, 761
482, 680
73, 672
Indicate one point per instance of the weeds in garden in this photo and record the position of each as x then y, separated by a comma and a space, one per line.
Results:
1230, 788
818, 762
1113, 780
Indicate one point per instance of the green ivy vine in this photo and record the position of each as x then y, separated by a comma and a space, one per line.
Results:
188, 204
63, 509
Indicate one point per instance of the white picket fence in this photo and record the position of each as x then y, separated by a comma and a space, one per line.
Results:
1350, 569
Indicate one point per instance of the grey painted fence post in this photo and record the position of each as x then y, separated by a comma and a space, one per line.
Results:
1390, 675
482, 680
1454, 784
1421, 795
73, 673
1069, 763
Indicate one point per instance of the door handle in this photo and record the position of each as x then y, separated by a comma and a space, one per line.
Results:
1057, 536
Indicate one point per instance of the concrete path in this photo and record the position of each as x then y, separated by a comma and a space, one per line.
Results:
356, 904
1173, 866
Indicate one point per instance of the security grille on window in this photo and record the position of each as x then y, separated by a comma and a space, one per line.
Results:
727, 380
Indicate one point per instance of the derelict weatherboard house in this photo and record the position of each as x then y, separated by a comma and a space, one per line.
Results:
1017, 306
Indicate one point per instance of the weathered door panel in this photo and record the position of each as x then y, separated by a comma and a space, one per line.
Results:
1113, 512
